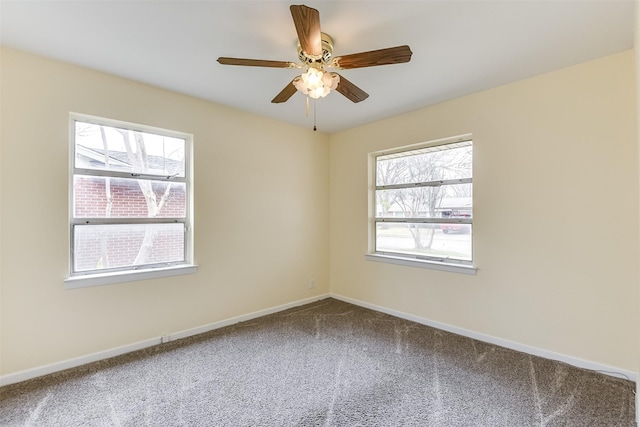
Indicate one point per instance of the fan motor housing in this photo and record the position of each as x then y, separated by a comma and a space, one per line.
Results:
327, 52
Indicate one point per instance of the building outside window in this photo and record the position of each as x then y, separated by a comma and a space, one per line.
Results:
424, 203
130, 204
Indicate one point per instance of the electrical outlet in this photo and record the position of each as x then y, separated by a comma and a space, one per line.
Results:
312, 284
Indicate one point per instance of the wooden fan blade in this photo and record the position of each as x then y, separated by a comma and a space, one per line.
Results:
307, 22
391, 55
285, 93
255, 62
351, 91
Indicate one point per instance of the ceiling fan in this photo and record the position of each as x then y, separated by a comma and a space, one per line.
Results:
315, 51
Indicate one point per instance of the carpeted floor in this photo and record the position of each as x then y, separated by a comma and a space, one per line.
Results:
324, 364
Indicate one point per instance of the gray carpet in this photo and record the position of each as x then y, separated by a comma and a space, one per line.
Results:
324, 364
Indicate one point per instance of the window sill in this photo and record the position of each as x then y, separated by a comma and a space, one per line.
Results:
85, 281
432, 265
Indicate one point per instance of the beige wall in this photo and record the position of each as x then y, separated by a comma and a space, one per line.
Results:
555, 214
261, 216
636, 45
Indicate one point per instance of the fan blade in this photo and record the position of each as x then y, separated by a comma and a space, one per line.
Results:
351, 91
255, 62
391, 55
307, 22
285, 93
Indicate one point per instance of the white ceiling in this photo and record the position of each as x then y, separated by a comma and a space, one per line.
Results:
459, 47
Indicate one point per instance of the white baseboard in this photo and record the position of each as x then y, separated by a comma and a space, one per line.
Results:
242, 318
78, 361
580, 363
637, 402
75, 362
94, 357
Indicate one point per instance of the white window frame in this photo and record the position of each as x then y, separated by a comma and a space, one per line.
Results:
434, 263
133, 273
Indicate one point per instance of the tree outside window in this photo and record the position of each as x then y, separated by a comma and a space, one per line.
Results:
424, 201
130, 198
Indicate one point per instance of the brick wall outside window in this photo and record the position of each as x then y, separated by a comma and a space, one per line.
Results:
115, 245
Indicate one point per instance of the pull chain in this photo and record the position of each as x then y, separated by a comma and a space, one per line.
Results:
314, 116
314, 113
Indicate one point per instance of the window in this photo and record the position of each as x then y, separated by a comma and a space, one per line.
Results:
423, 203
130, 204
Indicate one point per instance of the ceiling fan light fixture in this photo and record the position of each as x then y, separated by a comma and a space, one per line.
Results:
315, 51
316, 83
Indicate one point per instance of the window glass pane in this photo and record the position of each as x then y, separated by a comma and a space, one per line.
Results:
424, 165
104, 147
99, 247
424, 202
108, 197
433, 240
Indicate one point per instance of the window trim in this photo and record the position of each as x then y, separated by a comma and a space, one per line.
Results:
428, 264
127, 274
412, 260
99, 279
